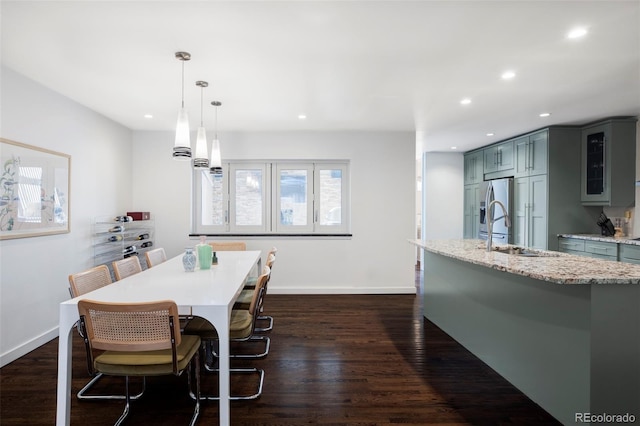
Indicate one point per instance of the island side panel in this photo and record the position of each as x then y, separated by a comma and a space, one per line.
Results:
615, 350
533, 333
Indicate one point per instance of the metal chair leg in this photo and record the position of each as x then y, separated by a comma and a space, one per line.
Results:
125, 413
83, 396
267, 344
255, 395
268, 327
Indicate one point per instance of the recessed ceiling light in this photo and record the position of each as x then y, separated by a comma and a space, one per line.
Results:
508, 75
577, 32
545, 114
302, 117
490, 134
148, 116
454, 147
465, 101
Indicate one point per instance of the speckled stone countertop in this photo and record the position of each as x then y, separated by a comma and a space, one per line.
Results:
596, 237
551, 266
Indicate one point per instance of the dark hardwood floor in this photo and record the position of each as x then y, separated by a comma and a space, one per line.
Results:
334, 360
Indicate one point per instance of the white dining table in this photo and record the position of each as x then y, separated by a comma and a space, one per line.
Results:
209, 294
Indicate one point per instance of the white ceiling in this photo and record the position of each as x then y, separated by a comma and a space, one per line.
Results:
347, 65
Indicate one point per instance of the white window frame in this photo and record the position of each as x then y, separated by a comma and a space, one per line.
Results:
265, 217
280, 228
196, 209
271, 191
343, 228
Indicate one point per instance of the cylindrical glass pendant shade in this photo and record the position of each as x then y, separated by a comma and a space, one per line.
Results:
216, 161
182, 147
201, 158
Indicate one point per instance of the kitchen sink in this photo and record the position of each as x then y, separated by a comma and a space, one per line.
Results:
524, 252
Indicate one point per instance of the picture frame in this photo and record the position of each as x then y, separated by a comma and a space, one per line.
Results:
34, 191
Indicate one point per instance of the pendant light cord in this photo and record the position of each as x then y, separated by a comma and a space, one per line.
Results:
183, 84
201, 109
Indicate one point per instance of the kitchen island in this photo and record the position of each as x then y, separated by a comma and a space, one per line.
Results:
563, 329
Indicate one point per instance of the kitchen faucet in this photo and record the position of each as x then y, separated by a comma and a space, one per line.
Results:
490, 221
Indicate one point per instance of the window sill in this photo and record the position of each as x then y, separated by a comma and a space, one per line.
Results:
273, 235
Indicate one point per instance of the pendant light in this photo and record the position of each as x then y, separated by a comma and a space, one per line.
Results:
182, 146
200, 160
216, 161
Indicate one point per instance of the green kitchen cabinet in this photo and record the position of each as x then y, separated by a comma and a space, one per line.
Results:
608, 163
530, 211
471, 210
629, 253
499, 157
531, 154
473, 167
571, 245
597, 249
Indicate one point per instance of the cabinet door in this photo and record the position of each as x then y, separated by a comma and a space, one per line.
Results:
531, 154
520, 210
521, 147
473, 167
491, 159
571, 245
530, 212
505, 156
537, 217
537, 158
595, 164
471, 210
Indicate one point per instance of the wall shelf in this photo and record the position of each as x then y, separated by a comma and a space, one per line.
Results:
115, 239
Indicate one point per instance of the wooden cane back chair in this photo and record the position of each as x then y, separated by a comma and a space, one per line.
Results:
228, 245
241, 330
155, 257
126, 267
138, 339
82, 283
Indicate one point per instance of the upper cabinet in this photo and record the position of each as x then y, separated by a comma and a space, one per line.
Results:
473, 168
608, 163
531, 154
499, 157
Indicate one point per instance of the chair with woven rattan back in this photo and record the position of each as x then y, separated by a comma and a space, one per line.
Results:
246, 294
138, 339
82, 283
241, 330
228, 245
89, 280
155, 257
126, 267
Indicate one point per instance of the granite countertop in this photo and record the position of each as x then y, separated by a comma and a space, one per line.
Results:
551, 266
596, 237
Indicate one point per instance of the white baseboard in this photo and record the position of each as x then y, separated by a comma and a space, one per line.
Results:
27, 347
342, 290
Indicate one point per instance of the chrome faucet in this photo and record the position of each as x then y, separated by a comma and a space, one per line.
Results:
490, 221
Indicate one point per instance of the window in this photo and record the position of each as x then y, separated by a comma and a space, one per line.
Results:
284, 197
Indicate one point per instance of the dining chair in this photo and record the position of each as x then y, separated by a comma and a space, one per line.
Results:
155, 257
139, 339
80, 284
270, 258
125, 267
245, 295
228, 245
241, 331
89, 280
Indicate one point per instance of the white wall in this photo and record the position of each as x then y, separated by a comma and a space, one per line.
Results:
443, 195
34, 271
378, 259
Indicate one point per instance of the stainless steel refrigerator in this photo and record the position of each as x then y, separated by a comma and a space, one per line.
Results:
501, 190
